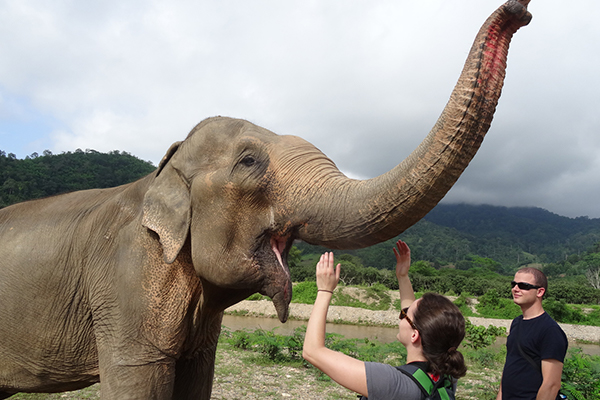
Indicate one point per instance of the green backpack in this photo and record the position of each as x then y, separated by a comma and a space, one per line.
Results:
443, 389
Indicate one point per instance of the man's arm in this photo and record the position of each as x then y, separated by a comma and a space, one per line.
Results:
499, 396
551, 373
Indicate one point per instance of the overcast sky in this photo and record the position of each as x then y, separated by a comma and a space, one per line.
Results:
363, 80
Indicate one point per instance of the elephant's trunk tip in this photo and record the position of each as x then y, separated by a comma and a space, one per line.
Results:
519, 7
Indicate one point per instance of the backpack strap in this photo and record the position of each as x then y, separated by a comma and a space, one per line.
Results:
420, 377
445, 389
443, 386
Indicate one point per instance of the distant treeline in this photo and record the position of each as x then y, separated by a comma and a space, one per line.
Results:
50, 174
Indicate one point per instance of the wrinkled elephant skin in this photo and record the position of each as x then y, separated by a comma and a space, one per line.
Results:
128, 285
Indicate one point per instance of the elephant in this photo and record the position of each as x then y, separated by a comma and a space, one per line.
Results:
127, 285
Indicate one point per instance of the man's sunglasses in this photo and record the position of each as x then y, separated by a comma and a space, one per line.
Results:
403, 314
524, 285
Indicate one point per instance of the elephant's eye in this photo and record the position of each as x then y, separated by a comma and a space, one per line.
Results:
248, 161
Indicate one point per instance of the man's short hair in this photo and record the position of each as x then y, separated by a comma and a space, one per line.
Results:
538, 276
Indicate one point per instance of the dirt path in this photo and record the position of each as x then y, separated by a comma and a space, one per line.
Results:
265, 308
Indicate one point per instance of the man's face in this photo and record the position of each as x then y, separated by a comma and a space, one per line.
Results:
525, 297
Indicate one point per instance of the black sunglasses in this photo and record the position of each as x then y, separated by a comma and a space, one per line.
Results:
403, 314
524, 285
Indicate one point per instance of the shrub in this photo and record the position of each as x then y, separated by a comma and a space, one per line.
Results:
491, 305
463, 303
269, 344
581, 374
305, 293
477, 337
561, 312
256, 297
240, 339
487, 357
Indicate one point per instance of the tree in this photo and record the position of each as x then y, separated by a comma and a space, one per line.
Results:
486, 263
593, 277
294, 257
423, 268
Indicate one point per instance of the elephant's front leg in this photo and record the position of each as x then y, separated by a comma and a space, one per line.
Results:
128, 378
194, 376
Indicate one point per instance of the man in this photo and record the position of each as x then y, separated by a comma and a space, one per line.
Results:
536, 345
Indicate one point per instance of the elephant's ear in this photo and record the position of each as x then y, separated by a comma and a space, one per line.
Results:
167, 207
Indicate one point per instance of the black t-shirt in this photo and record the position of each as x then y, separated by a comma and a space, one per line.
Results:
541, 339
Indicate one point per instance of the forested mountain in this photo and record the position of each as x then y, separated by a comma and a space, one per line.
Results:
505, 237
532, 230
464, 236
51, 174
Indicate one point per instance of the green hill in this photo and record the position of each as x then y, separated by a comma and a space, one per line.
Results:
51, 174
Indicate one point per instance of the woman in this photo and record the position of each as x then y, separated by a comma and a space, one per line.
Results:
430, 328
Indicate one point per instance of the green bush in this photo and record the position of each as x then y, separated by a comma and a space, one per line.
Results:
282, 348
240, 339
487, 357
491, 305
593, 318
269, 344
573, 291
302, 273
463, 303
305, 293
563, 313
295, 342
478, 337
256, 297
581, 374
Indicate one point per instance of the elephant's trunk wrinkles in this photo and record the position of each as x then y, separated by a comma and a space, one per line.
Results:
378, 209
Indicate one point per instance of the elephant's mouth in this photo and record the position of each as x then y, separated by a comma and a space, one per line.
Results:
277, 283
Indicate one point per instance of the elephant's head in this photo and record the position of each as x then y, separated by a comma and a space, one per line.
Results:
243, 193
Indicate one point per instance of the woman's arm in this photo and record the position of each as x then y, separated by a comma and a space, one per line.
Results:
345, 370
402, 253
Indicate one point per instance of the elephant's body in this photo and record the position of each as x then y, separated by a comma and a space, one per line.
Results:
92, 285
128, 285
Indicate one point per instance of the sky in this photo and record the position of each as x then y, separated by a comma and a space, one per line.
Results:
362, 80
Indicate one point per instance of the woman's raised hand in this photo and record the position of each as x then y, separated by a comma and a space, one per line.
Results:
402, 253
327, 275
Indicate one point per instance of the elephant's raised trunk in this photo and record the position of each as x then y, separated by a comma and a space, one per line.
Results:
378, 209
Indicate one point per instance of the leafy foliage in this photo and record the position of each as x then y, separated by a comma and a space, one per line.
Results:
275, 347
493, 306
573, 291
271, 345
464, 302
305, 292
478, 337
581, 374
48, 175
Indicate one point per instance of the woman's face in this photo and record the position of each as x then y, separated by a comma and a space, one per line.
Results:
405, 330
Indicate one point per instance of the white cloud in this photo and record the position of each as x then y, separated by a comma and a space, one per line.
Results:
364, 81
